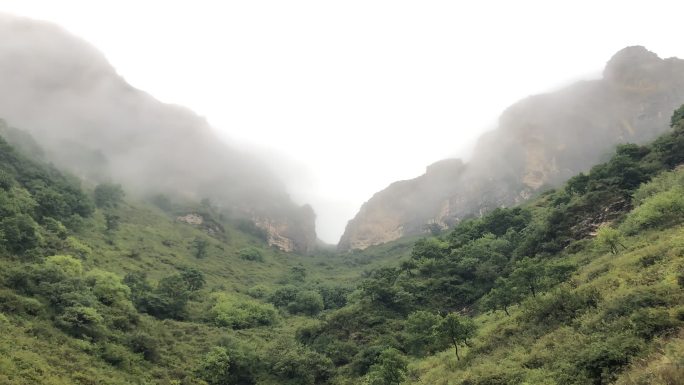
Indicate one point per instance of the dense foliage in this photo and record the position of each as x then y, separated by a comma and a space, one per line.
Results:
582, 285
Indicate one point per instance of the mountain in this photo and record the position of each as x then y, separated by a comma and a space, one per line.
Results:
567, 289
91, 122
540, 142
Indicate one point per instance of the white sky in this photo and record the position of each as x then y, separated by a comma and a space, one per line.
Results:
357, 94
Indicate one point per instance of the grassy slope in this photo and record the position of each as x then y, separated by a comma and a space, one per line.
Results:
517, 349
505, 344
149, 240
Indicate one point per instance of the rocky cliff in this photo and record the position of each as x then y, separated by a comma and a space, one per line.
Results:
540, 142
91, 122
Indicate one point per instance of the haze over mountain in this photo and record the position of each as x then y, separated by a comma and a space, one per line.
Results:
541, 141
93, 123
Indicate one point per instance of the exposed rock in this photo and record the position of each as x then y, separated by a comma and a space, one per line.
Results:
290, 231
191, 219
541, 141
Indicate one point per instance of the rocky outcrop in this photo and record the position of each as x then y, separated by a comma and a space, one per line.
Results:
91, 122
190, 219
541, 141
289, 231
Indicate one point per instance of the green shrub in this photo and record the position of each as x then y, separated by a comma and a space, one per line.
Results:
251, 254
108, 195
145, 344
108, 287
12, 303
558, 307
648, 323
657, 211
419, 332
293, 362
240, 313
81, 321
258, 291
115, 355
215, 367
307, 302
390, 369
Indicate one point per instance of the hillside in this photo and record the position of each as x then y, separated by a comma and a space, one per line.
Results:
90, 121
139, 293
582, 285
540, 143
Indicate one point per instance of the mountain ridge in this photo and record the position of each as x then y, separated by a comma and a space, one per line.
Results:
540, 142
90, 121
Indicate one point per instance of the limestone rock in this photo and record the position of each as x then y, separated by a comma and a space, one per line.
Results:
540, 142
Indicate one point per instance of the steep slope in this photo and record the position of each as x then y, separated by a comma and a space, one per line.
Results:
123, 292
91, 122
540, 142
569, 288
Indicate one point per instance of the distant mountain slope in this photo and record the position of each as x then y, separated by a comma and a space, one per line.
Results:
90, 121
541, 141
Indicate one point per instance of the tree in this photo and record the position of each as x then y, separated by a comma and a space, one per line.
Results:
169, 298
241, 313
108, 287
527, 273
608, 236
19, 233
215, 367
432, 248
677, 116
503, 295
389, 369
251, 254
81, 321
419, 332
200, 246
308, 302
112, 222
193, 278
298, 273
457, 330
108, 195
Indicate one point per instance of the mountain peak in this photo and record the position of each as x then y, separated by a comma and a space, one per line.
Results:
630, 64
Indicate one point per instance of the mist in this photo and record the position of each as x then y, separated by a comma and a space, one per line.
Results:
361, 95
91, 122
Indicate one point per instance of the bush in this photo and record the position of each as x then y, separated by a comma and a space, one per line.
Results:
215, 367
307, 302
145, 344
81, 321
108, 195
257, 291
115, 355
292, 361
657, 211
284, 295
19, 234
241, 313
390, 369
648, 323
251, 254
108, 287
419, 331
167, 300
11, 303
558, 307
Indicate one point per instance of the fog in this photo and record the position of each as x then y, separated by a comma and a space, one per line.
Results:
341, 99
91, 122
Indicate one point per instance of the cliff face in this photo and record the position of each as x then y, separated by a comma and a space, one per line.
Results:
540, 142
94, 124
